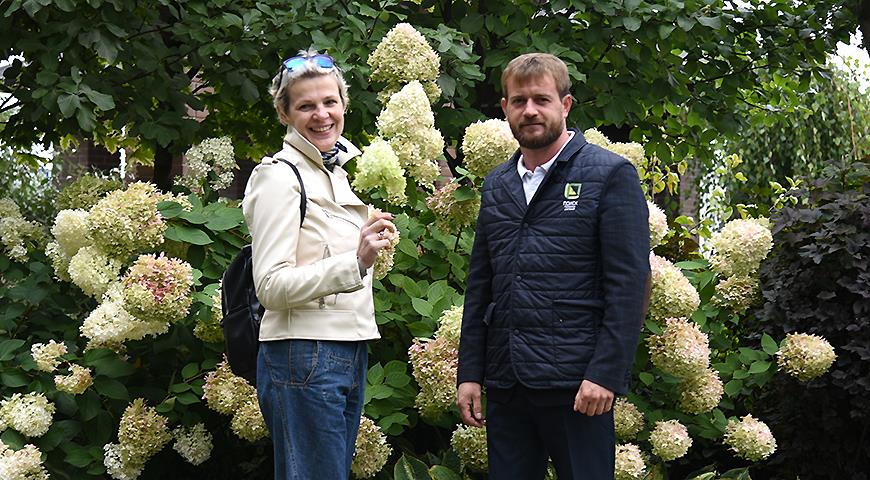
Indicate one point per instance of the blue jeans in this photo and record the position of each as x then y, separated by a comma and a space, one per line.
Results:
311, 396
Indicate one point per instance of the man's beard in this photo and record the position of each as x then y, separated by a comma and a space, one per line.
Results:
533, 142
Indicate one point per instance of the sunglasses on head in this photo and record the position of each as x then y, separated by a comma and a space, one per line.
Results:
321, 60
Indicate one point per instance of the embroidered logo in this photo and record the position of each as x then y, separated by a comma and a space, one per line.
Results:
572, 190
569, 205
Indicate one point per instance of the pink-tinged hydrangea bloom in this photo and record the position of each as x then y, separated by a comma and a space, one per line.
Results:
658, 224
93, 271
225, 392
378, 167
371, 452
672, 294
70, 229
805, 356
738, 292
486, 145
434, 365
78, 380
701, 394
750, 439
403, 55
158, 289
452, 215
141, 434
29, 414
248, 422
47, 355
682, 349
628, 420
110, 325
24, 464
670, 440
127, 221
630, 462
212, 155
450, 325
740, 246
194, 444
469, 443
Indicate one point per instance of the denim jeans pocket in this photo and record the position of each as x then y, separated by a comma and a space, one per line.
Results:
291, 362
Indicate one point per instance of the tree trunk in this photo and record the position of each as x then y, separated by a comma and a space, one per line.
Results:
689, 186
163, 169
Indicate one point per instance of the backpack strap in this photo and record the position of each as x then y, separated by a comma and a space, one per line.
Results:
304, 200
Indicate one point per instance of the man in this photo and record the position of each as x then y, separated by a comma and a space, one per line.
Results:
556, 288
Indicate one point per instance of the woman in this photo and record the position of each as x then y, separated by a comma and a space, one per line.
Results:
311, 275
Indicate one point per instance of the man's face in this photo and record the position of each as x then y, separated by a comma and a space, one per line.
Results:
535, 111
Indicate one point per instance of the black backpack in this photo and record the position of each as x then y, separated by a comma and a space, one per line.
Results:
242, 311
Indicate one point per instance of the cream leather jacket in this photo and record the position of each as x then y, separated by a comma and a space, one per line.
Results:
308, 279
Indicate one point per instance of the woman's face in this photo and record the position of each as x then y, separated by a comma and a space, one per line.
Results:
316, 110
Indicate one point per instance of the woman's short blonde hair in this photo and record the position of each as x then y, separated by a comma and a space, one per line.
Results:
283, 80
536, 65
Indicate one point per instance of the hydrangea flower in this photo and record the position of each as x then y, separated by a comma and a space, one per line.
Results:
127, 221
17, 233
212, 155
805, 356
658, 224
452, 215
142, 433
70, 230
59, 260
406, 112
702, 393
248, 422
737, 292
740, 246
633, 152
417, 153
628, 420
384, 260
433, 91
378, 167
469, 443
110, 325
85, 192
371, 452
595, 137
672, 294
434, 365
93, 271
24, 464
630, 462
224, 391
158, 289
47, 355
209, 329
681, 350
486, 145
670, 440
78, 380
750, 438
450, 325
403, 56
29, 414
115, 467
194, 444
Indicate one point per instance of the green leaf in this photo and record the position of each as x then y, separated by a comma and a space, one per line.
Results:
631, 5
631, 24
112, 366
422, 307
759, 366
170, 209
653, 327
183, 233
685, 23
13, 439
380, 391
768, 344
68, 104
78, 456
225, 219
110, 388
646, 377
440, 472
733, 387
690, 265
375, 374
60, 431
409, 468
188, 398
712, 22
190, 370
464, 193
14, 379
101, 100
8, 347
665, 31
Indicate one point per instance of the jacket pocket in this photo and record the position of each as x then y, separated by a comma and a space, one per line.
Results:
487, 317
578, 313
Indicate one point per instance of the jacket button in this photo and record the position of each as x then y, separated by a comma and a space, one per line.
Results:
519, 277
516, 331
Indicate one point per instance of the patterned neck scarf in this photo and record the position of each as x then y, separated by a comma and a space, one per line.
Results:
330, 157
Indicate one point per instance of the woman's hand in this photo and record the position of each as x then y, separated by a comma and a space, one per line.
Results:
375, 235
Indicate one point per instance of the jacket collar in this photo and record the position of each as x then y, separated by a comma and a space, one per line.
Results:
346, 150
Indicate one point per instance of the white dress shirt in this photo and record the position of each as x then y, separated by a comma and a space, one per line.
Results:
532, 179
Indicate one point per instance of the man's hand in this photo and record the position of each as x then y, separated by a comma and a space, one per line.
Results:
592, 399
468, 401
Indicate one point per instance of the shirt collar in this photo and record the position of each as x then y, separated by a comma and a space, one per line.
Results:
522, 170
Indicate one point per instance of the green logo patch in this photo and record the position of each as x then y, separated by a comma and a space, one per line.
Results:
572, 190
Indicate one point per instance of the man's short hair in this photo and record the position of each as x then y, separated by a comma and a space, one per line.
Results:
536, 65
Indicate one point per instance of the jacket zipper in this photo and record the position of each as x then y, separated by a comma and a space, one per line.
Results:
330, 215
326, 254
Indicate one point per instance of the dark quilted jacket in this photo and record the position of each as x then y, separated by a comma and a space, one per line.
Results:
555, 290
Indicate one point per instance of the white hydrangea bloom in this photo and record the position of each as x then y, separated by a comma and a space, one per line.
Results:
115, 467
29, 414
248, 422
595, 137
93, 271
750, 438
371, 452
805, 356
24, 464
740, 246
59, 260
70, 229
469, 443
670, 440
672, 294
628, 420
407, 111
213, 155
403, 56
658, 224
47, 355
450, 325
702, 393
630, 462
194, 444
78, 380
681, 350
379, 166
486, 145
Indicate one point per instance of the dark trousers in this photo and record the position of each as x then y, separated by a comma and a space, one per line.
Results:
525, 427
